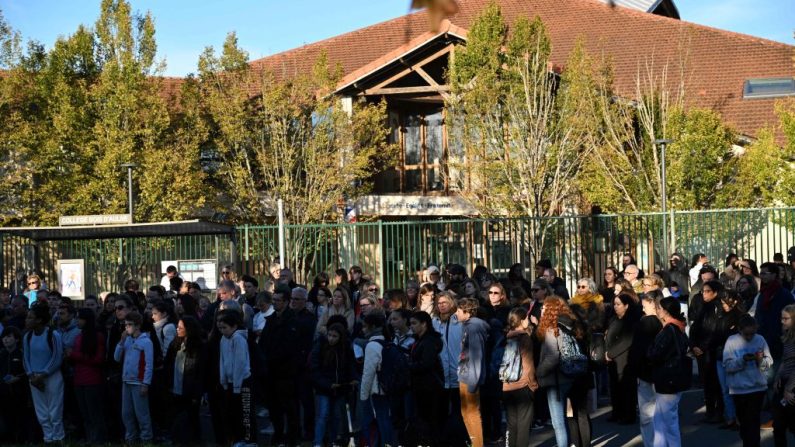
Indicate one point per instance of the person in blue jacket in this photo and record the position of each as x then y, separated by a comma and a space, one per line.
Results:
136, 354
472, 366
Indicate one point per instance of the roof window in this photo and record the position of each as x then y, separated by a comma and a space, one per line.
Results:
768, 88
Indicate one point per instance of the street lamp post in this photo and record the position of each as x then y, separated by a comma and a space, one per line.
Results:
129, 167
663, 143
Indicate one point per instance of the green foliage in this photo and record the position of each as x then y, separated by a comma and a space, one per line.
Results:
78, 111
698, 160
291, 140
520, 126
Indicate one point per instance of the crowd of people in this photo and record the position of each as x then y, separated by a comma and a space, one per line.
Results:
453, 359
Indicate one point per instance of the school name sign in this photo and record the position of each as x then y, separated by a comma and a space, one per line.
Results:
95, 219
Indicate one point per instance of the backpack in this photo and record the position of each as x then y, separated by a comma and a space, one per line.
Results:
393, 375
511, 365
573, 362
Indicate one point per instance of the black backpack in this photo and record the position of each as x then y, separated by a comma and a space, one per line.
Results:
393, 374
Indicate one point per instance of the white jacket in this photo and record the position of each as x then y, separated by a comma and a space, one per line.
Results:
372, 364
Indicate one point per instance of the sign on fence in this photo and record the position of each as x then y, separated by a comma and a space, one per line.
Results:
95, 219
71, 278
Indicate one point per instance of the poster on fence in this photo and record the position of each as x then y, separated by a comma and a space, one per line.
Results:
200, 271
71, 278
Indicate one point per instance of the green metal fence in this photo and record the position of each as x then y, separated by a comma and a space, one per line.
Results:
396, 252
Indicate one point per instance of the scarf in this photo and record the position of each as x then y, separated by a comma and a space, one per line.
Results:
768, 291
586, 301
676, 322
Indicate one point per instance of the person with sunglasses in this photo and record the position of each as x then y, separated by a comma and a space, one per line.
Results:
32, 291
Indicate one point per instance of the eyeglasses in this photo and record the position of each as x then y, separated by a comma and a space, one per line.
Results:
225, 273
33, 282
494, 293
373, 289
647, 284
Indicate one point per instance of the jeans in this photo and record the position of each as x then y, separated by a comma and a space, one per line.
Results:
325, 416
749, 408
646, 403
519, 413
135, 413
556, 398
91, 401
666, 420
49, 407
377, 407
470, 412
728, 404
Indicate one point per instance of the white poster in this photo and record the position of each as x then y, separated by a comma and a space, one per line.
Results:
200, 271
71, 278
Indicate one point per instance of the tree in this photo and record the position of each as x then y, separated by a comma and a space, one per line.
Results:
520, 126
78, 111
624, 171
288, 139
764, 173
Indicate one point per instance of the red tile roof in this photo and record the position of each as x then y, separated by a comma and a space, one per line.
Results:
716, 62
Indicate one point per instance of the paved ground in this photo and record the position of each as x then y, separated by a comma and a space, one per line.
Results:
606, 434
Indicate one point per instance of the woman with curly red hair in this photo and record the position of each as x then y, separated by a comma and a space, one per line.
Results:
557, 325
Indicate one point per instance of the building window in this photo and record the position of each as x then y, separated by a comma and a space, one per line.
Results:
423, 150
768, 88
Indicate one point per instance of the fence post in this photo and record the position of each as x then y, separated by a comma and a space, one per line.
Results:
245, 244
282, 259
381, 266
672, 237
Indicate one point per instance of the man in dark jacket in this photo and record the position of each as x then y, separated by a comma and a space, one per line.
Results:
306, 322
281, 343
702, 335
773, 297
706, 274
678, 273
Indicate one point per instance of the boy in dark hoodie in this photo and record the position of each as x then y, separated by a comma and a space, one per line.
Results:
472, 366
136, 354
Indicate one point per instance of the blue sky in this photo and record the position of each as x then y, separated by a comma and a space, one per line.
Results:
264, 27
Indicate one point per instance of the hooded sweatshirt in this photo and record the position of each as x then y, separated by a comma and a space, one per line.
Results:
451, 351
69, 334
472, 363
234, 365
136, 354
746, 376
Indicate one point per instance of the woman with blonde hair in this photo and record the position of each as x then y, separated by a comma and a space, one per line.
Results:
340, 305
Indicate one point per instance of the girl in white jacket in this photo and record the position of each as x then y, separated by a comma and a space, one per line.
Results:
746, 358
